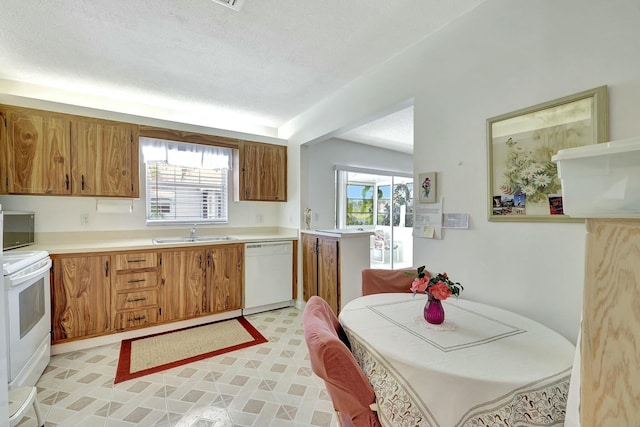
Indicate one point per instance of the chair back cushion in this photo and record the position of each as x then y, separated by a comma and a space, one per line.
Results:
379, 281
331, 360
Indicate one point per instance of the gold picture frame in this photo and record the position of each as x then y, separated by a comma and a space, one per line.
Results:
523, 181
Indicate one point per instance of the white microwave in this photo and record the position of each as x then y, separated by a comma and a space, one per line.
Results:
19, 229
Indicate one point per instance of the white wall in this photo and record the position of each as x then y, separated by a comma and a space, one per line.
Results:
319, 174
502, 56
57, 214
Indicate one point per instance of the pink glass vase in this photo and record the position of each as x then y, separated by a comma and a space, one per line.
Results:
433, 311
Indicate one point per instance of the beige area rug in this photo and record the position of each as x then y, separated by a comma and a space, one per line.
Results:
154, 353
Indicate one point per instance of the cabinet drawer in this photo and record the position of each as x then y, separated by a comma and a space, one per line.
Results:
146, 279
136, 318
135, 261
140, 299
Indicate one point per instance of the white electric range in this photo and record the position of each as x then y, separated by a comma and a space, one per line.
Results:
28, 315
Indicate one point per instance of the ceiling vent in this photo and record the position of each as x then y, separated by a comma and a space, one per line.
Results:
233, 4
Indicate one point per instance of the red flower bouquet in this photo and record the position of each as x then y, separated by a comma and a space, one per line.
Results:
439, 286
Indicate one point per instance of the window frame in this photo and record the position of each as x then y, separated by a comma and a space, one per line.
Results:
219, 189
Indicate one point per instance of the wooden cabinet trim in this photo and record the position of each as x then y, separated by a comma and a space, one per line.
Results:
184, 136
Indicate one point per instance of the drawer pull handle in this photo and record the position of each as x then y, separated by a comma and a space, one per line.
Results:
137, 299
136, 260
135, 319
136, 280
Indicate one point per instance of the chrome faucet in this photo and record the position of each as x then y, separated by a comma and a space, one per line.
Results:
192, 232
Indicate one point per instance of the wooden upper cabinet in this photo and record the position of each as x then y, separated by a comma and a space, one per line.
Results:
263, 172
105, 158
38, 152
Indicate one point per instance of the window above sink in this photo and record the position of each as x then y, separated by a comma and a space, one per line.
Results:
185, 182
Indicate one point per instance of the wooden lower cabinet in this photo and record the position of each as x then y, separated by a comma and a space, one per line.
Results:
134, 290
224, 278
80, 296
332, 265
103, 293
181, 284
321, 268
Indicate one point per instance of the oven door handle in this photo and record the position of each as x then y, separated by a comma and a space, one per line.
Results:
18, 278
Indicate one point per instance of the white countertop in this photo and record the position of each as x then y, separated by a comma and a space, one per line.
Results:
341, 232
109, 241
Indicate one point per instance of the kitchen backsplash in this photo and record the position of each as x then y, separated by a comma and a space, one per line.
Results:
56, 214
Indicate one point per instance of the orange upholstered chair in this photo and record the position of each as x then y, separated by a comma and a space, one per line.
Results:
350, 391
378, 281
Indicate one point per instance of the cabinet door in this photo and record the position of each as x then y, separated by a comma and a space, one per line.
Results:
4, 152
610, 372
329, 271
263, 175
309, 266
225, 273
105, 158
181, 284
80, 296
38, 160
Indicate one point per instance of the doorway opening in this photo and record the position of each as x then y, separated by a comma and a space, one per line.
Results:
380, 201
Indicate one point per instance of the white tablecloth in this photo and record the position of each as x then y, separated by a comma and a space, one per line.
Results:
482, 367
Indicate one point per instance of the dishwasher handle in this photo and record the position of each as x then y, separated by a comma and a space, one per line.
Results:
268, 248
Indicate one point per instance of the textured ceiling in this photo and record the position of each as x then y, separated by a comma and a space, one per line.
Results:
265, 64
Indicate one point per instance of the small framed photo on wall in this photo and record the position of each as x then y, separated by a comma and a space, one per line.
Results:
427, 183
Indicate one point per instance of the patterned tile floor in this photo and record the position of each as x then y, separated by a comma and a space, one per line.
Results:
266, 385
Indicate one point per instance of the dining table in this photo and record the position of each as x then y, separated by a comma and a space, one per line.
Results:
483, 366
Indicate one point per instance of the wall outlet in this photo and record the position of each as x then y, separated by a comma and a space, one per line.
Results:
259, 218
84, 219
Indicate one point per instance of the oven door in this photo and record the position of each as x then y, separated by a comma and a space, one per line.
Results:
29, 313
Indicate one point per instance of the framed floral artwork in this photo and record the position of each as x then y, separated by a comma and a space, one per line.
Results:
427, 182
523, 181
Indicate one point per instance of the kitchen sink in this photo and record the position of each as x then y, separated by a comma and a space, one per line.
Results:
194, 239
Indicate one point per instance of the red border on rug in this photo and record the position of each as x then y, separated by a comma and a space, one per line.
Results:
124, 360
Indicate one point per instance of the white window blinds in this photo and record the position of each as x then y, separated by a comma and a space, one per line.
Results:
185, 183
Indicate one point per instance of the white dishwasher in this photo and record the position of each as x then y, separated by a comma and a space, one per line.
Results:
268, 273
